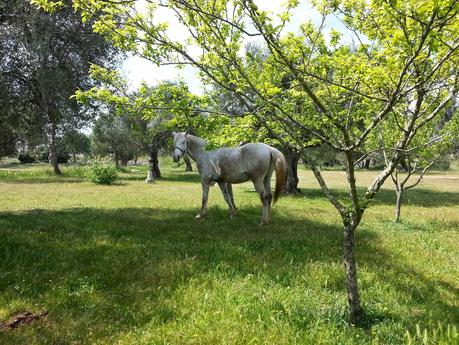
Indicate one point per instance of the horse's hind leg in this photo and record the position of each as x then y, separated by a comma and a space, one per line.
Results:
205, 194
268, 192
266, 198
229, 186
226, 194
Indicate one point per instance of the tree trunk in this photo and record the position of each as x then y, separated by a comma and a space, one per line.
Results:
74, 158
117, 160
156, 164
53, 154
366, 163
355, 309
291, 184
124, 162
187, 160
398, 205
153, 163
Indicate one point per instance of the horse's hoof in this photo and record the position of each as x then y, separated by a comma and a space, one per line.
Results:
198, 216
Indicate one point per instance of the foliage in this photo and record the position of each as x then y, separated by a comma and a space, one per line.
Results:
161, 108
113, 135
100, 173
41, 154
25, 157
443, 162
76, 142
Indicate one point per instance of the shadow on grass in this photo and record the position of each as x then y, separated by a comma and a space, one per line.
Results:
182, 176
416, 197
102, 272
27, 177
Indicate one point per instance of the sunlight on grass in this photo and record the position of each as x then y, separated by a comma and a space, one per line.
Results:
129, 264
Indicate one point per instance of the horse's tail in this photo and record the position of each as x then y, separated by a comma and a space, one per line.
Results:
281, 171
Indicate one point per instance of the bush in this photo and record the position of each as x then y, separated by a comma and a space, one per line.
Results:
42, 155
102, 174
25, 157
63, 157
443, 163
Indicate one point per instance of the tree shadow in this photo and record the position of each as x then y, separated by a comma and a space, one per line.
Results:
182, 176
42, 180
417, 197
96, 264
90, 264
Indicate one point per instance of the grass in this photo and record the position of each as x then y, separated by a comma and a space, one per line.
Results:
129, 264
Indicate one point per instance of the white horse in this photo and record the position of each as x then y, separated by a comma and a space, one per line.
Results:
225, 166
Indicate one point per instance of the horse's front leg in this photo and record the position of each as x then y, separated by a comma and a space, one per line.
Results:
205, 194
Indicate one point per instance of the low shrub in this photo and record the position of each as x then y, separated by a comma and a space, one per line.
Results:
25, 157
100, 173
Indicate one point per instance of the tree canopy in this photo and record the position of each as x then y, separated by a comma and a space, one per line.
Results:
46, 57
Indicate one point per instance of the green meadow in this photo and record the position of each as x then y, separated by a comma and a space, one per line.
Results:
129, 263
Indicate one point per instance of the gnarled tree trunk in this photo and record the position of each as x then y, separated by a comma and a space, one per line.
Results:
153, 163
291, 184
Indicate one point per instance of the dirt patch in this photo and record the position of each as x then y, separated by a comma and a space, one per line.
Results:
24, 318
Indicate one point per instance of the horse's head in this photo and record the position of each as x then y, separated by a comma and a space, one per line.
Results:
180, 145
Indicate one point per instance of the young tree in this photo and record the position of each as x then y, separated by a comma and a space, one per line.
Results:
338, 94
434, 141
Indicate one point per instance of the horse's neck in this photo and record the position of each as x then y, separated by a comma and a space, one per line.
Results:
196, 147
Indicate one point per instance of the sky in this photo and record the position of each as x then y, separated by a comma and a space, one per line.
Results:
137, 69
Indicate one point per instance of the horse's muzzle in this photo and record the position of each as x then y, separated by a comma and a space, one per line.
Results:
176, 158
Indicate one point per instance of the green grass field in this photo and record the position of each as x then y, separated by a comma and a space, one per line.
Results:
129, 264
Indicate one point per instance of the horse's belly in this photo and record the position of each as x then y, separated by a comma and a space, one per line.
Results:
236, 177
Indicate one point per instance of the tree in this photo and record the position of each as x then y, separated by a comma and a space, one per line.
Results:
153, 112
46, 59
76, 143
113, 135
339, 94
252, 130
436, 141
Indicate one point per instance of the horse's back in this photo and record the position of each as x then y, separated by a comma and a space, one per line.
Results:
236, 165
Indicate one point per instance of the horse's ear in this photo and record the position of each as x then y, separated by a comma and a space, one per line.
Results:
173, 134
187, 132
